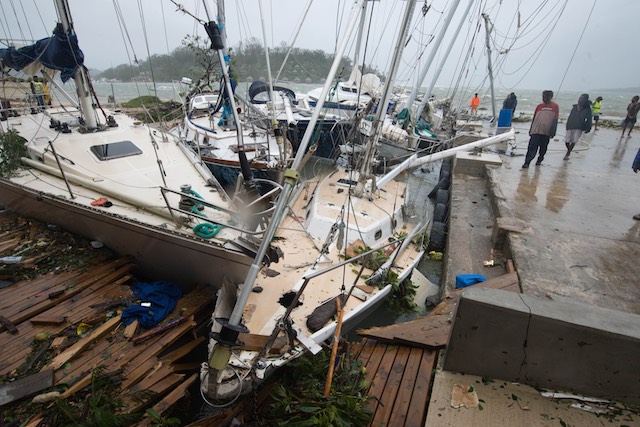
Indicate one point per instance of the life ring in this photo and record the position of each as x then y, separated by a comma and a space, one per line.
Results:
207, 230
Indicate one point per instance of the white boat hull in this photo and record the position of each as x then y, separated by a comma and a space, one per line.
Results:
159, 253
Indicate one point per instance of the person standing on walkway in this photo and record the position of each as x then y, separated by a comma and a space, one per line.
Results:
632, 114
595, 110
510, 103
579, 121
475, 101
543, 128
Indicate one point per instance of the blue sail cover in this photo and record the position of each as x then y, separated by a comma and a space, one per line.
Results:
58, 52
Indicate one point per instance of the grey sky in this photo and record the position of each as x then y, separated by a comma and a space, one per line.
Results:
539, 56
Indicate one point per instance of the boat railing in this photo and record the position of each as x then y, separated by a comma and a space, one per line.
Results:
254, 217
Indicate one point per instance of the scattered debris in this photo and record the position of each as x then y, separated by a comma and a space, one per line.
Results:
464, 395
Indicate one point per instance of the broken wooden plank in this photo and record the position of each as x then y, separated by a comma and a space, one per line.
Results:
159, 329
9, 325
26, 386
255, 342
43, 319
510, 267
58, 342
71, 352
424, 332
181, 352
187, 366
170, 399
131, 329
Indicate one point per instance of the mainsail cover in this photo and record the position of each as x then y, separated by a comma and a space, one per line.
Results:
58, 52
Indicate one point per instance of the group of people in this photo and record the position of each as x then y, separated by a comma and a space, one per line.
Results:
510, 103
581, 117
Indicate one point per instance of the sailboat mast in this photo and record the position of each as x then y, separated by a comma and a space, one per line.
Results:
356, 56
432, 55
81, 77
487, 24
222, 23
266, 54
365, 169
427, 95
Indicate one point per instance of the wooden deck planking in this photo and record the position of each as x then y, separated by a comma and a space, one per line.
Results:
399, 379
406, 389
379, 381
391, 387
417, 411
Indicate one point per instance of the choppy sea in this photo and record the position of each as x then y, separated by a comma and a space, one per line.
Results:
614, 104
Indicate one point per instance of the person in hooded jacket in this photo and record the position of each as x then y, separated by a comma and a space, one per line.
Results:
579, 121
510, 102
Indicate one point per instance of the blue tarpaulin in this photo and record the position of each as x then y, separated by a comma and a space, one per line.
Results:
464, 280
163, 297
58, 52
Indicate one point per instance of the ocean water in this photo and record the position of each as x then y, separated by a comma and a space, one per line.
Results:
614, 105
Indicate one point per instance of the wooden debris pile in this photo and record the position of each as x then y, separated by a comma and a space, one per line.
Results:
61, 334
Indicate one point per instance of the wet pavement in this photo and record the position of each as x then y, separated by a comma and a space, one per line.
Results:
584, 243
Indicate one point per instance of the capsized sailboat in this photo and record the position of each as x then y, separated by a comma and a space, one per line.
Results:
348, 243
106, 176
217, 141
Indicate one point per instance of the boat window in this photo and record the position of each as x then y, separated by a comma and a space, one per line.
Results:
378, 234
115, 150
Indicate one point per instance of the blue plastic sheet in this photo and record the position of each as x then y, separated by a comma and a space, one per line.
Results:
464, 280
58, 52
163, 297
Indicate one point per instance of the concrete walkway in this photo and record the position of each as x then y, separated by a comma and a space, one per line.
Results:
585, 244
574, 238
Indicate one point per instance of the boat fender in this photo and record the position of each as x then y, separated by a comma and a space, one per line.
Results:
207, 230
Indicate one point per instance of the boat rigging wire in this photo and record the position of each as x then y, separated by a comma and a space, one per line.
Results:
124, 32
577, 45
164, 25
8, 29
39, 15
26, 20
13, 7
146, 41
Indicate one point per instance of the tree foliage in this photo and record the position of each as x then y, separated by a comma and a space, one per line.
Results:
196, 60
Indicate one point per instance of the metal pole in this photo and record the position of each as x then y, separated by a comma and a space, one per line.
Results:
432, 54
489, 66
365, 169
81, 78
427, 95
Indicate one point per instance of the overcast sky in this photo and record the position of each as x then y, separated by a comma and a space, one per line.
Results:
593, 42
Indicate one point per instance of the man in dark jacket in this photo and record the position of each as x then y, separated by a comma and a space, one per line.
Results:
579, 121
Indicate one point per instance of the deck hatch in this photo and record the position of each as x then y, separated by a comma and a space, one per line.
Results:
115, 150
